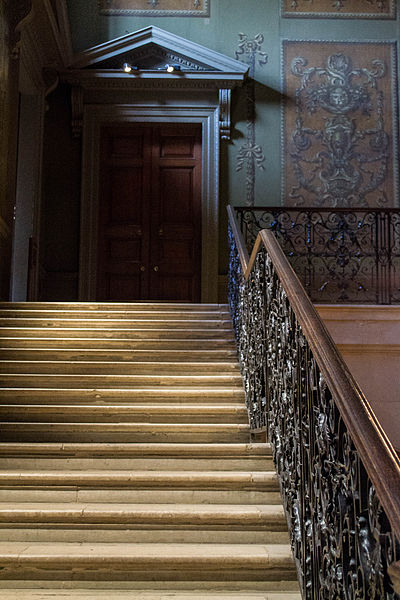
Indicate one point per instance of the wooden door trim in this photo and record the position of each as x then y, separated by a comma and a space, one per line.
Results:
98, 115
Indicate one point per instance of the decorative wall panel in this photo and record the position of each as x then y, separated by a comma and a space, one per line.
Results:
155, 8
356, 9
340, 124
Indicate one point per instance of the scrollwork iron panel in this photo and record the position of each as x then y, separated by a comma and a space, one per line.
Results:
340, 255
340, 535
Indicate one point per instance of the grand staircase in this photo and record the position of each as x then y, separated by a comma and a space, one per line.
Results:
126, 468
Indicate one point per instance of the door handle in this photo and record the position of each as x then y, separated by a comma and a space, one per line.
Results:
160, 231
142, 268
155, 268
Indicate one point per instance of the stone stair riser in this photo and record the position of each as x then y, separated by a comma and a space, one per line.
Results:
124, 414
123, 368
149, 395
160, 464
128, 333
159, 356
148, 534
114, 344
116, 381
137, 496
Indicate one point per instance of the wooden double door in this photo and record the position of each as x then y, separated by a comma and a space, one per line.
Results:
149, 236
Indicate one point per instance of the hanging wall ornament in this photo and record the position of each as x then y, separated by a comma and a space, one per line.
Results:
251, 154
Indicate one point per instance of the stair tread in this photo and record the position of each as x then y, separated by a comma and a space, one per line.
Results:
171, 594
117, 305
141, 554
161, 449
138, 475
146, 408
112, 426
130, 513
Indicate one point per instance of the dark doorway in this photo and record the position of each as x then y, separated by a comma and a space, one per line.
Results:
149, 237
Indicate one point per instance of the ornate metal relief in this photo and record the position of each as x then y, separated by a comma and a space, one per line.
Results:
339, 8
345, 256
340, 124
155, 8
251, 154
341, 537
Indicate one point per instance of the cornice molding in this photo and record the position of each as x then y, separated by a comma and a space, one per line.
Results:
106, 79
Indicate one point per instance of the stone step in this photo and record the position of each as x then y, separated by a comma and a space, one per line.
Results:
212, 325
113, 344
138, 413
35, 380
148, 534
243, 593
125, 333
130, 495
162, 515
131, 450
183, 395
167, 463
115, 306
187, 457
195, 480
115, 355
124, 432
147, 561
118, 368
128, 314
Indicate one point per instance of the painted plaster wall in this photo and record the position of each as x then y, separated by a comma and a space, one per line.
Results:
228, 19
232, 23
368, 339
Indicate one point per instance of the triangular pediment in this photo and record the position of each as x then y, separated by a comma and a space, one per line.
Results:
148, 52
151, 49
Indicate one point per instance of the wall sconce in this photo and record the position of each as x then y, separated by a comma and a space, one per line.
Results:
129, 68
172, 68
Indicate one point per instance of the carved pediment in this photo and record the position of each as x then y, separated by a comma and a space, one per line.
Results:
149, 51
151, 58
149, 47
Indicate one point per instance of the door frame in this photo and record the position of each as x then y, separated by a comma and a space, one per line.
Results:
95, 116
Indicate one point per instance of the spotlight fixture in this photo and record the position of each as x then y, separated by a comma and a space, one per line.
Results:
129, 68
172, 68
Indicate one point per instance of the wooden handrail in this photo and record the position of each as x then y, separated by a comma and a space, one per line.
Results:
375, 450
240, 243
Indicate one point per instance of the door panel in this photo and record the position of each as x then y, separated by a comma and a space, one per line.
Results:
150, 213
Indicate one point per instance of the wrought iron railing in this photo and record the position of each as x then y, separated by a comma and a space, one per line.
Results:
341, 255
338, 472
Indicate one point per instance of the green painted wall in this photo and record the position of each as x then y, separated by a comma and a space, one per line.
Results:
220, 32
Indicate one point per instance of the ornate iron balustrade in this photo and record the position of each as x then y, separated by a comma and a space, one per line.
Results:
338, 473
340, 255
